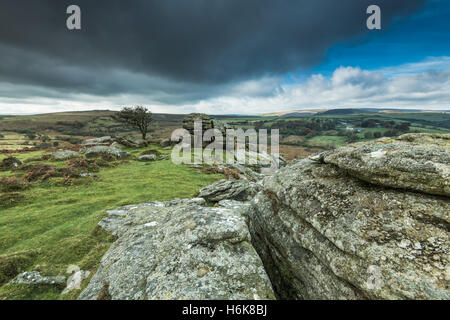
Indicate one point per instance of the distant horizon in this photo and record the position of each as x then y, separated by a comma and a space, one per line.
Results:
406, 110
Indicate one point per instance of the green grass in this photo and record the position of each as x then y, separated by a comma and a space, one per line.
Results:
57, 225
327, 140
430, 130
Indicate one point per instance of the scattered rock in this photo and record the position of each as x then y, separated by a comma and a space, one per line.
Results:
64, 154
163, 157
178, 249
131, 141
98, 150
165, 143
231, 189
86, 174
74, 281
35, 278
418, 162
102, 141
117, 145
147, 157
323, 234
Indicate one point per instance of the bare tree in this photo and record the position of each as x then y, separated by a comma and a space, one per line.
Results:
138, 117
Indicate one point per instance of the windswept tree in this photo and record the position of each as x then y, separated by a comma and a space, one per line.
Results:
138, 117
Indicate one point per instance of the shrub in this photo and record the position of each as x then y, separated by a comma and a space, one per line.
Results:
229, 173
368, 135
13, 184
36, 171
45, 138
10, 163
84, 164
68, 172
107, 157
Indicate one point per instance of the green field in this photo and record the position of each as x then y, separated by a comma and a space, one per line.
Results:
426, 122
56, 226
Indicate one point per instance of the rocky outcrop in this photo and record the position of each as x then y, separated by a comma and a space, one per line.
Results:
99, 150
118, 141
325, 229
418, 162
259, 161
102, 141
131, 141
64, 154
179, 249
231, 189
189, 120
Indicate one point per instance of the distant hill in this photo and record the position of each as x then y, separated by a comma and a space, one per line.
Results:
298, 114
340, 112
346, 111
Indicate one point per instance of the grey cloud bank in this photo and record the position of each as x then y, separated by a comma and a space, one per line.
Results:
178, 54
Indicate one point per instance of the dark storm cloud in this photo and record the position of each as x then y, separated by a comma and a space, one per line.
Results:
193, 48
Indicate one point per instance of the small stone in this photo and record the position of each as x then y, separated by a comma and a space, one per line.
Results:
405, 243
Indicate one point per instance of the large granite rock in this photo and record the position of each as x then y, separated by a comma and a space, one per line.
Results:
412, 161
179, 249
231, 189
323, 234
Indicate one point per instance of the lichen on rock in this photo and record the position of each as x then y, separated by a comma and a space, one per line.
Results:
418, 162
180, 249
326, 233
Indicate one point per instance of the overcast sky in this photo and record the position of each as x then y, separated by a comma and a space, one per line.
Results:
223, 56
